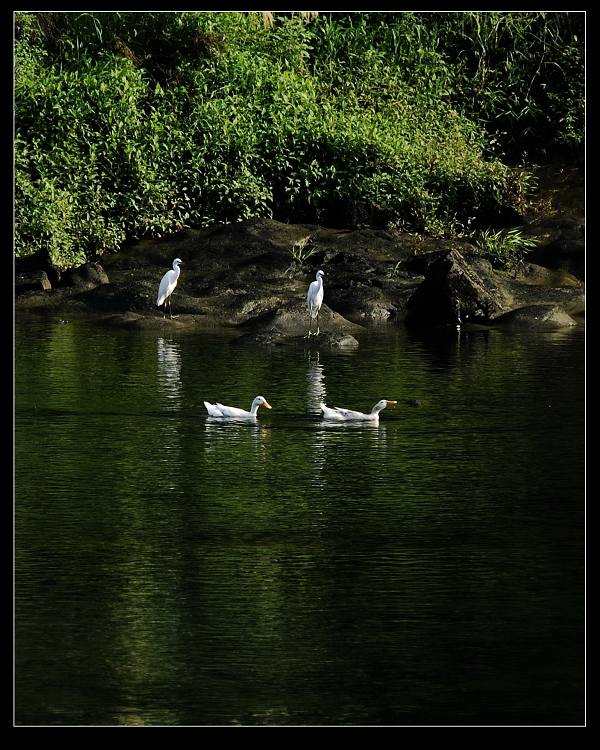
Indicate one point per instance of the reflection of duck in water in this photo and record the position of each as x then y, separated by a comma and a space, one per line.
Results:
236, 441
315, 390
348, 415
231, 412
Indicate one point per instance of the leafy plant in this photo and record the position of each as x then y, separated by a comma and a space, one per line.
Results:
301, 251
505, 249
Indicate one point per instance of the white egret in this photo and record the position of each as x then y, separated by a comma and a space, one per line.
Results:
347, 415
314, 300
231, 412
167, 285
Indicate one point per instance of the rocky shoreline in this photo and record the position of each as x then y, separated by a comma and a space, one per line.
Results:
244, 277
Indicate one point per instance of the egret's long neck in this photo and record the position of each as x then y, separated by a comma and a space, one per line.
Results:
177, 270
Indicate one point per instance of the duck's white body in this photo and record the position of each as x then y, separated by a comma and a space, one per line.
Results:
232, 412
338, 414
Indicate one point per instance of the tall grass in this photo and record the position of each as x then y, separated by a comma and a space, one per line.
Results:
505, 249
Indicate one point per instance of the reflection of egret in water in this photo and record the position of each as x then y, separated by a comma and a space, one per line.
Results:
315, 389
315, 393
169, 369
169, 388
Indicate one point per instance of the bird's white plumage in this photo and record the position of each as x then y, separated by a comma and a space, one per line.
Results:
168, 283
314, 296
338, 414
232, 412
314, 300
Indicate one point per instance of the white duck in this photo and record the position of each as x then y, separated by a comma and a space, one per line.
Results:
231, 412
347, 415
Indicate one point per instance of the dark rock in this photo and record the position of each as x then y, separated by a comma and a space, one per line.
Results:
458, 287
347, 212
569, 292
336, 341
33, 281
420, 263
243, 275
555, 215
531, 273
142, 322
536, 316
557, 239
36, 263
86, 276
262, 338
292, 318
127, 296
276, 337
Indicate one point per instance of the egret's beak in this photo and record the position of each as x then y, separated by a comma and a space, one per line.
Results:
268, 405
391, 402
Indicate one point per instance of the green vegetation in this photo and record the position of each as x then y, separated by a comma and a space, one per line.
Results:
138, 124
505, 249
302, 250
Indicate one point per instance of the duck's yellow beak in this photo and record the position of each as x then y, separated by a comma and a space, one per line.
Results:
267, 404
391, 402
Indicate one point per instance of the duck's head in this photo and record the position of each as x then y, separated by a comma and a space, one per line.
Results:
382, 404
261, 401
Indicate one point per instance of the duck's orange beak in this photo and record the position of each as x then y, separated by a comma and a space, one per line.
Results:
267, 404
391, 402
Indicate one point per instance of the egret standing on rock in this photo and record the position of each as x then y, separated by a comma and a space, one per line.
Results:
314, 300
167, 286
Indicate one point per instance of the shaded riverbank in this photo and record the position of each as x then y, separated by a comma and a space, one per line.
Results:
253, 275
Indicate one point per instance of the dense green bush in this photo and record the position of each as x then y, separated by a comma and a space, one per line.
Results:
138, 124
520, 75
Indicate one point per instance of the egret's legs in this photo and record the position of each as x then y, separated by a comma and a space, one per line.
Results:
309, 326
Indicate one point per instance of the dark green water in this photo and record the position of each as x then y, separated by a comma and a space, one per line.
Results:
173, 570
